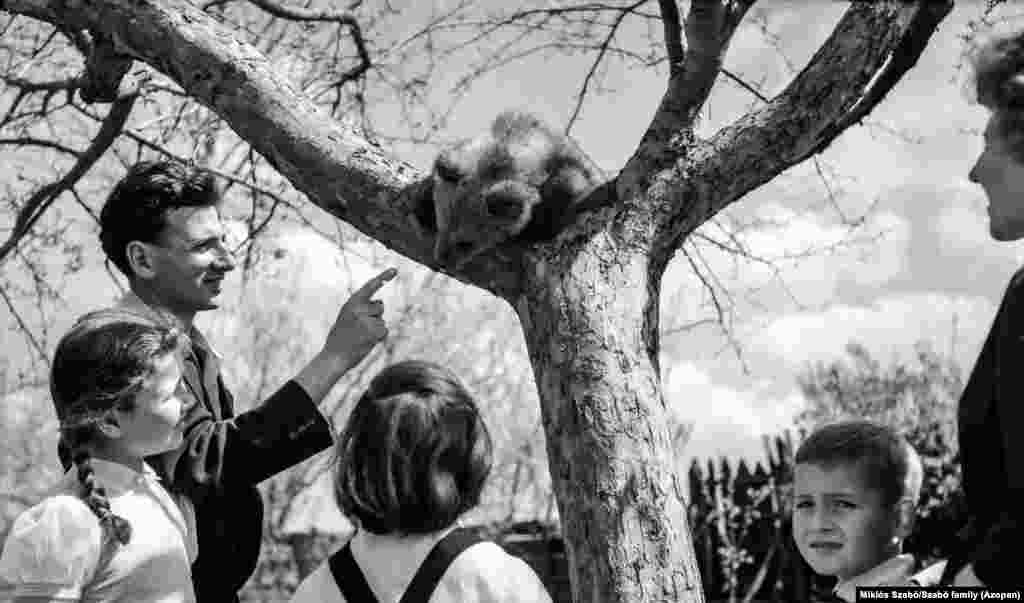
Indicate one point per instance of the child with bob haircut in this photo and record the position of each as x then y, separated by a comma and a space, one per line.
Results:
413, 457
855, 491
109, 531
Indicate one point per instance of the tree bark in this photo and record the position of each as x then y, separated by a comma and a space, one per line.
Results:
590, 319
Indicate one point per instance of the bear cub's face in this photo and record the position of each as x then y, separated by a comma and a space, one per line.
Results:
482, 197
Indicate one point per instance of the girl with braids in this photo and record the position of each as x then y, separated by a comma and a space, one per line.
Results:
110, 531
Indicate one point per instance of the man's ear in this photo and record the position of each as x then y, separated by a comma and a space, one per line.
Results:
110, 425
140, 259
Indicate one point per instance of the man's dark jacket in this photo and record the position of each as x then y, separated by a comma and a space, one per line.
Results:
225, 456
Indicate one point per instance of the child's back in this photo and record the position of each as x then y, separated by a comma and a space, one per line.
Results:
412, 458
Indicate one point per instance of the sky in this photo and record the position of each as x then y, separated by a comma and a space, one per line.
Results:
928, 270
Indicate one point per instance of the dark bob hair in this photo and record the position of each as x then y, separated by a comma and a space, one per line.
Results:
415, 453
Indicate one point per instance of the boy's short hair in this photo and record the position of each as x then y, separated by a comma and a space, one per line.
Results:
885, 461
415, 453
136, 209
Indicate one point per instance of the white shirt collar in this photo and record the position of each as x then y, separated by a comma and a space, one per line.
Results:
116, 477
893, 570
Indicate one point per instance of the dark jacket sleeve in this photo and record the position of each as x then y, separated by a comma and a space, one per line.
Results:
283, 431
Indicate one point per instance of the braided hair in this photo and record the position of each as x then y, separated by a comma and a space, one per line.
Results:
100, 365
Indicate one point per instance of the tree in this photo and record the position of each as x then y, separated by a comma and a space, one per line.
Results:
587, 300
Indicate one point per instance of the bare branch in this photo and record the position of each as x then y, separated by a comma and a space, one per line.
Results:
673, 29
732, 76
848, 75
23, 327
104, 70
902, 59
37, 204
30, 86
342, 18
709, 28
603, 49
28, 141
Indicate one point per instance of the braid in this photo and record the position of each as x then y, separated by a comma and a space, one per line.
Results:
96, 497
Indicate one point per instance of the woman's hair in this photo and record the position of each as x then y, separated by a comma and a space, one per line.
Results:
100, 365
999, 85
415, 452
883, 459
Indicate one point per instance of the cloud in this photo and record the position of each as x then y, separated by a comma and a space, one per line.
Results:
888, 327
807, 259
726, 420
731, 409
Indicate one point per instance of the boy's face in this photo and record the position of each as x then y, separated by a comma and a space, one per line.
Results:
840, 526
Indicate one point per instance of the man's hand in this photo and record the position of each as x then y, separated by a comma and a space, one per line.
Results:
360, 324
359, 327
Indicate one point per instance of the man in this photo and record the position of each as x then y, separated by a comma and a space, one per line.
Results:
161, 226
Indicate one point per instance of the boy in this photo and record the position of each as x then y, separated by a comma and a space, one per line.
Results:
856, 486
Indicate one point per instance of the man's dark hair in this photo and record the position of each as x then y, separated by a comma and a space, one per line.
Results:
137, 207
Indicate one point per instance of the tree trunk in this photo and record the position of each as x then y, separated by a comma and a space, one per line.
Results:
590, 320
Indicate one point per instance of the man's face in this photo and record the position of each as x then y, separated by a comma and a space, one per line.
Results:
190, 259
841, 527
1002, 177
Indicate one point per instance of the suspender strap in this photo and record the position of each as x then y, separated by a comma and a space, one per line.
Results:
436, 564
352, 582
349, 578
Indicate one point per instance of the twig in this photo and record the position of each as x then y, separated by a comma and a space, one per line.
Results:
673, 32
37, 204
24, 327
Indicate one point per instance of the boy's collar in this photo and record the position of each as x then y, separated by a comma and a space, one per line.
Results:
893, 570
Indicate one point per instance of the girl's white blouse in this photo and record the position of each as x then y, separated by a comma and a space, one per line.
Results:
58, 550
